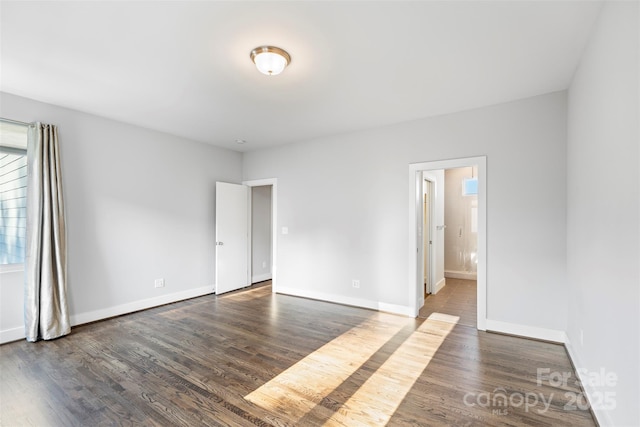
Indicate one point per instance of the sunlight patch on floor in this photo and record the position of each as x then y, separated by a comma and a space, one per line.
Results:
378, 398
441, 317
301, 388
297, 390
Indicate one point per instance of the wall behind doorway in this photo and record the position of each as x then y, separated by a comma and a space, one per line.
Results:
461, 234
261, 233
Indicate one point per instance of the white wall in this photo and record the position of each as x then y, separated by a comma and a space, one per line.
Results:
602, 211
343, 200
140, 205
260, 233
461, 242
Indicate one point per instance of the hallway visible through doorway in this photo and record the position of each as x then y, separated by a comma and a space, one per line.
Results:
458, 298
473, 186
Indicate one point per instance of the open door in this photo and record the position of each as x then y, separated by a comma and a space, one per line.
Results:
426, 233
232, 237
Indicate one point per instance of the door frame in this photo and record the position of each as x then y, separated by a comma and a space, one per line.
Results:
428, 181
415, 252
273, 182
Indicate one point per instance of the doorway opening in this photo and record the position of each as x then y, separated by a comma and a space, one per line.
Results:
456, 293
235, 240
262, 231
427, 233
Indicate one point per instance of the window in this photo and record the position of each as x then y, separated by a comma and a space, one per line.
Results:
470, 186
13, 192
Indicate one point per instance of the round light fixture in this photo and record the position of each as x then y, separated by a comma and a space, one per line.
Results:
270, 60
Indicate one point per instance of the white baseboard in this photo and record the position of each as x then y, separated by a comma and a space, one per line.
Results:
396, 309
15, 334
461, 275
526, 331
260, 277
92, 316
356, 302
602, 416
438, 287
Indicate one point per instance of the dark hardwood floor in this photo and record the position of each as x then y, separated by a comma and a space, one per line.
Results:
255, 358
458, 298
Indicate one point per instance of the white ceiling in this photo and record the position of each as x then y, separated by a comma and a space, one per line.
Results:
183, 67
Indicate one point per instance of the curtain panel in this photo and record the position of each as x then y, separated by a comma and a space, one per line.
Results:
46, 312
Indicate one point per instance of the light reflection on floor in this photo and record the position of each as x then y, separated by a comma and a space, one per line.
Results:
299, 389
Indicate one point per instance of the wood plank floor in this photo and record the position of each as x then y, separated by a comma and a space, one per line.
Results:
458, 298
255, 358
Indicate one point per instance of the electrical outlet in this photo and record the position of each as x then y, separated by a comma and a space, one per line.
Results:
159, 283
355, 283
264, 264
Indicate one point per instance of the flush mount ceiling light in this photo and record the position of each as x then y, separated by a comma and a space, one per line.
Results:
270, 60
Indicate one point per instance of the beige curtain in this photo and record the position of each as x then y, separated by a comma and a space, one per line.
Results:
46, 314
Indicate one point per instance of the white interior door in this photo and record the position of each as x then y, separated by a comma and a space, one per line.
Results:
426, 232
232, 237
